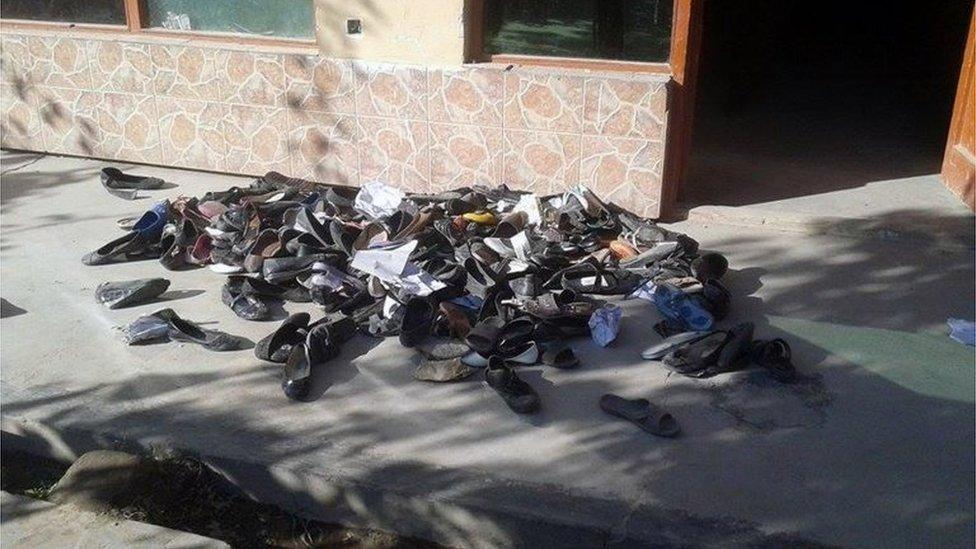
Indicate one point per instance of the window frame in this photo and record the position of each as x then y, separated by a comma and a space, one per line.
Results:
475, 48
137, 21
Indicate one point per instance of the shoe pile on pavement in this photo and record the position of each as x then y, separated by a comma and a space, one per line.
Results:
476, 279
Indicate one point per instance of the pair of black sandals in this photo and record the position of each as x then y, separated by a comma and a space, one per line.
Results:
708, 353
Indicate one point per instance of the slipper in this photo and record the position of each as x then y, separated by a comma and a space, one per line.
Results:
641, 413
560, 356
116, 295
735, 352
695, 356
442, 370
775, 356
484, 336
658, 350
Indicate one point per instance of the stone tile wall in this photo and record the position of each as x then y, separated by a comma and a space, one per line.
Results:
214, 107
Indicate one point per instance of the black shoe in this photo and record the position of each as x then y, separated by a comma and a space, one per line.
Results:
131, 243
176, 246
277, 345
116, 295
283, 269
184, 330
125, 185
304, 358
519, 395
417, 320
710, 266
244, 304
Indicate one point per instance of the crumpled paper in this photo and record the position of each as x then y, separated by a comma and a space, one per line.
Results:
385, 260
377, 199
963, 331
605, 324
529, 204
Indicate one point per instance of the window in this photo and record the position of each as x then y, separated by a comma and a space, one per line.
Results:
106, 12
258, 18
284, 18
622, 30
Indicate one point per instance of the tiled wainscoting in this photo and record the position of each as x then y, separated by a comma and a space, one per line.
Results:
251, 110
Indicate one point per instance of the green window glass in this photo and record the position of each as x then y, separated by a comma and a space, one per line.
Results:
626, 30
281, 18
105, 12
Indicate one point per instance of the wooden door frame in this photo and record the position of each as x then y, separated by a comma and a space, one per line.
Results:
958, 172
686, 34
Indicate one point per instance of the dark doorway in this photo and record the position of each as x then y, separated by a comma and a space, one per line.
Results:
801, 98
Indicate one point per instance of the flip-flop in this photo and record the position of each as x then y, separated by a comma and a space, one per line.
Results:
641, 413
658, 350
560, 356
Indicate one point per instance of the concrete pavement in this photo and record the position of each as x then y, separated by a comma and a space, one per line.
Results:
38, 524
874, 447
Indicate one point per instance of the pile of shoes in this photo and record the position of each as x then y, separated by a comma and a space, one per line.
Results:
475, 279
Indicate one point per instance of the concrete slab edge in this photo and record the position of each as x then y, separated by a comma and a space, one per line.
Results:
453, 507
28, 521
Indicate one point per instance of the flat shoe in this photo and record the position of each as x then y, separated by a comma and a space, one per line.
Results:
277, 345
116, 295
